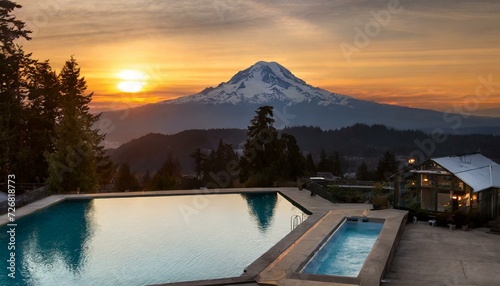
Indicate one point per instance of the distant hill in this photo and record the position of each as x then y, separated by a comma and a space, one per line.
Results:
148, 152
356, 143
232, 104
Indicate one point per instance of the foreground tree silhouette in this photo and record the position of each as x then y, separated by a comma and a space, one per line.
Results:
260, 149
41, 116
74, 160
35, 110
363, 173
267, 156
387, 166
199, 161
13, 61
168, 176
125, 179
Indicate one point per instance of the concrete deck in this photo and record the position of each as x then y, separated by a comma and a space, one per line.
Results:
285, 269
437, 256
280, 265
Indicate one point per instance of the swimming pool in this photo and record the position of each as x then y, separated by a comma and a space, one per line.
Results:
346, 250
146, 240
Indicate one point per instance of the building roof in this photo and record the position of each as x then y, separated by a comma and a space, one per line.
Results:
476, 170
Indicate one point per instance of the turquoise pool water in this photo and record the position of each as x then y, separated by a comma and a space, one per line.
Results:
145, 240
345, 252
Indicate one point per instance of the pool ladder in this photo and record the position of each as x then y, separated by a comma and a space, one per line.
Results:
295, 220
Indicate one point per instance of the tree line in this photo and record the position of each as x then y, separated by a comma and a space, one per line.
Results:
268, 156
46, 133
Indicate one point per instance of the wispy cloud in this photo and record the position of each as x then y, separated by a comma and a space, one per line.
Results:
429, 48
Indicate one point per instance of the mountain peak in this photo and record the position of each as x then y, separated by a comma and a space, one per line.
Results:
262, 83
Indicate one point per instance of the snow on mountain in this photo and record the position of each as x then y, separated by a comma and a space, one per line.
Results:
262, 83
232, 104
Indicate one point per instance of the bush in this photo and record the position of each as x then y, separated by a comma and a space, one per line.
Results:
476, 219
414, 204
345, 195
380, 202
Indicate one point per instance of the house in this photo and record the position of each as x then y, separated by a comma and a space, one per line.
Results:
463, 182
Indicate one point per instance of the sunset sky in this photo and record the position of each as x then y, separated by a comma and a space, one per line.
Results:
426, 54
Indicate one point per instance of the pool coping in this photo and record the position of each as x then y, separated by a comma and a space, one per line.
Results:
375, 265
263, 270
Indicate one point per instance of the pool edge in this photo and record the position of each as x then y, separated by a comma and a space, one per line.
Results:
317, 206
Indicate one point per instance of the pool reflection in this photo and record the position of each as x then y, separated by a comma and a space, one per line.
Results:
41, 245
262, 208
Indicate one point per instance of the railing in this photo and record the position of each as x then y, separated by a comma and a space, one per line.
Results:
295, 220
25, 194
21, 188
318, 189
359, 183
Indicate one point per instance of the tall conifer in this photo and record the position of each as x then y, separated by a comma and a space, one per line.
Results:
74, 162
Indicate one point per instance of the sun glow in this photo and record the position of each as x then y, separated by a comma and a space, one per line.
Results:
132, 81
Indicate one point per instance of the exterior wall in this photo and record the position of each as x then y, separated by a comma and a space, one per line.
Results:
489, 203
497, 214
431, 187
435, 189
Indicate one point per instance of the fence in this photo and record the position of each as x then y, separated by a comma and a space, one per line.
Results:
372, 184
25, 194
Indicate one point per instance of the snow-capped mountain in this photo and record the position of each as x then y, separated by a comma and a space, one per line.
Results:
232, 104
262, 83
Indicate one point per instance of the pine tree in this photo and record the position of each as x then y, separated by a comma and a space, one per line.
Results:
223, 156
74, 160
223, 166
199, 161
169, 175
387, 166
126, 180
292, 161
310, 167
261, 147
363, 174
41, 113
324, 164
13, 61
146, 181
336, 164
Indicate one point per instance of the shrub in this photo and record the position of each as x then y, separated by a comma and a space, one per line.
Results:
380, 202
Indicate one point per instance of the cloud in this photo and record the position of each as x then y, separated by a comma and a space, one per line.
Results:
199, 43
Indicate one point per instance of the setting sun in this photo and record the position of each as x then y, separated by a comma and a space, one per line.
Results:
131, 81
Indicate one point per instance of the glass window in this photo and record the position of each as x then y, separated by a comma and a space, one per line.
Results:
444, 200
428, 199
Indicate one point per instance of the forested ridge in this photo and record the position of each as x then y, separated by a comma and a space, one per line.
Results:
359, 141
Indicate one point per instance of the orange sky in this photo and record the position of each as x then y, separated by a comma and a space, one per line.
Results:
426, 54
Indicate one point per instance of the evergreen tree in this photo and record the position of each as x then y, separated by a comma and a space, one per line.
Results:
41, 113
74, 160
310, 167
363, 174
223, 159
105, 167
169, 175
126, 180
261, 148
387, 166
13, 61
324, 164
291, 161
146, 181
223, 156
336, 164
199, 162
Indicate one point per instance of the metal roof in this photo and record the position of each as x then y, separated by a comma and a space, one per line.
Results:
476, 170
